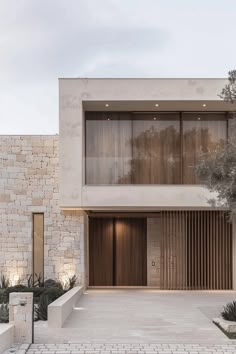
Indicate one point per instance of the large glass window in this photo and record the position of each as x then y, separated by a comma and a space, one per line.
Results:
202, 133
155, 149
108, 148
149, 148
128, 148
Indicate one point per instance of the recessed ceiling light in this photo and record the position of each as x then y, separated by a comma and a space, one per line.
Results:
204, 105
157, 104
107, 105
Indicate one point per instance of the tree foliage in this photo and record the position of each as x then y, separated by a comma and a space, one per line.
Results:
218, 170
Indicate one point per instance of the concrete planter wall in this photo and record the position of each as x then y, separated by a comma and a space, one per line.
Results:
60, 309
6, 336
228, 326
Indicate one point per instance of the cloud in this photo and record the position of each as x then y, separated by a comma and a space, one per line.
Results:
41, 40
46, 43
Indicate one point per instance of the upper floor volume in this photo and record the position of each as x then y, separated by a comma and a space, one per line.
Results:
145, 134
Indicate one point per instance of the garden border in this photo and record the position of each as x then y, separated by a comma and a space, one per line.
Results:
60, 309
6, 336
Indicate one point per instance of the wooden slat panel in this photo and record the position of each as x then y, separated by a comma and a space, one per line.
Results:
213, 249
202, 250
197, 250
186, 249
220, 249
162, 253
225, 252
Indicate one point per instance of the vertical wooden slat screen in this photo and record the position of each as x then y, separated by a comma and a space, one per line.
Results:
196, 250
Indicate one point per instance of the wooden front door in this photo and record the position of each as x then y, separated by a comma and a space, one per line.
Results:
117, 252
100, 252
131, 252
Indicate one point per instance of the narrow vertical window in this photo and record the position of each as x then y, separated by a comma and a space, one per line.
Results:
38, 244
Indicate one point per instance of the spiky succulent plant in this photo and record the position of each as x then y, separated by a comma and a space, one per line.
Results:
4, 313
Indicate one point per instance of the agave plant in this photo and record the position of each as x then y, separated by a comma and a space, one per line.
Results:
4, 282
71, 282
4, 313
35, 280
41, 311
229, 311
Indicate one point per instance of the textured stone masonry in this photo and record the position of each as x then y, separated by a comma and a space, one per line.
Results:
29, 182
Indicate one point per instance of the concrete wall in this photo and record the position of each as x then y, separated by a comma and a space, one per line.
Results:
60, 309
29, 167
20, 315
6, 336
77, 95
153, 252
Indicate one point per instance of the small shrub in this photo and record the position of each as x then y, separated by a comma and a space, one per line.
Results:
53, 294
41, 311
50, 283
59, 284
229, 312
18, 286
4, 313
37, 292
4, 282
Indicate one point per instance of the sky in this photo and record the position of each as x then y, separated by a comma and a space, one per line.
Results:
42, 40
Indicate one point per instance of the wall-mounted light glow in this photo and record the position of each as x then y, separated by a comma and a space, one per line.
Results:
204, 105
199, 118
154, 118
157, 105
108, 118
14, 279
107, 105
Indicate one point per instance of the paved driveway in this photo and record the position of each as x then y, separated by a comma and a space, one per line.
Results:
142, 316
131, 349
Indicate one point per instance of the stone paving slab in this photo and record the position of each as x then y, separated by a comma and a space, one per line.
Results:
17, 349
141, 316
119, 348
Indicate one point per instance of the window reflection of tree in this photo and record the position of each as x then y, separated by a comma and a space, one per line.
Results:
147, 151
155, 155
198, 141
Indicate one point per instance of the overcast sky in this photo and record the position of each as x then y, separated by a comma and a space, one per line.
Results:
41, 40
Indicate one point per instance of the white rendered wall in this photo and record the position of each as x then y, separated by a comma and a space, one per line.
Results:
76, 93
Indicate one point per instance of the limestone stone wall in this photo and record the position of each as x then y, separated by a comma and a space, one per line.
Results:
29, 167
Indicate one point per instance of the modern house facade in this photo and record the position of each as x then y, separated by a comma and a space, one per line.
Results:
114, 198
